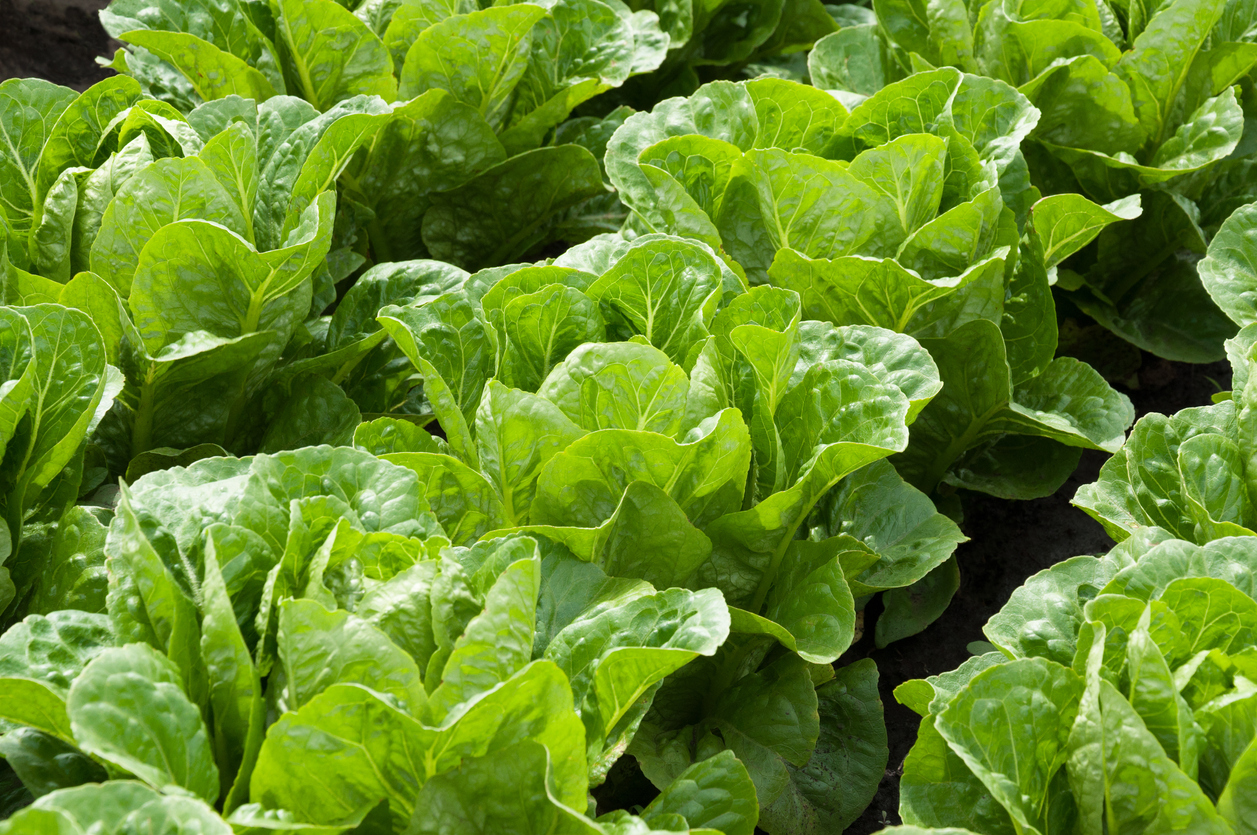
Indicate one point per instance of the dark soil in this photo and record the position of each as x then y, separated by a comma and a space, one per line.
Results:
57, 40
1009, 541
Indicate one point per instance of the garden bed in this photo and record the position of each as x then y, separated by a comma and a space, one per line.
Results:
1008, 541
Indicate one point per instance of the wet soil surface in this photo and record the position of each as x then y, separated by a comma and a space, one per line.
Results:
58, 40
1008, 541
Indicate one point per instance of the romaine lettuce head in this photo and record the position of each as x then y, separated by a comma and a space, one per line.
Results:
463, 167
298, 618
1133, 99
1119, 693
636, 404
911, 213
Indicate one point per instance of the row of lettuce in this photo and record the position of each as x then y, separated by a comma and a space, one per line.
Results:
248, 590
407, 607
1148, 99
1114, 693
1119, 693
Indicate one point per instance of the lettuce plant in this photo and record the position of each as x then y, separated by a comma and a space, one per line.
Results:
522, 67
1191, 473
635, 411
900, 214
458, 171
1118, 696
637, 404
1134, 99
300, 619
199, 246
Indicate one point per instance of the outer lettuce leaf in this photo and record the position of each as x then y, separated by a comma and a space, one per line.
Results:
1227, 271
992, 408
507, 211
135, 685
